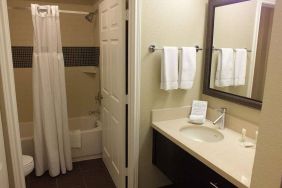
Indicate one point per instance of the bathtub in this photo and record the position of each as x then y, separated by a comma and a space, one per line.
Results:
91, 138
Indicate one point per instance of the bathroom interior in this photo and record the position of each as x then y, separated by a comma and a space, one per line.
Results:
209, 111
80, 45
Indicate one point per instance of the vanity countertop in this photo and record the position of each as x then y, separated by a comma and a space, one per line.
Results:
227, 157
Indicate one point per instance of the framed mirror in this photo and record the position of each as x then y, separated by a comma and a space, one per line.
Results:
237, 45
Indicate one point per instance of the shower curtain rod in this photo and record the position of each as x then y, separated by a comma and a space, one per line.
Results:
61, 11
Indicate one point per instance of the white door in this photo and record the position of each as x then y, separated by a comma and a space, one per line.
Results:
3, 165
112, 66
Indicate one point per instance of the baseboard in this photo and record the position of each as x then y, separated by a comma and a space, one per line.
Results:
87, 158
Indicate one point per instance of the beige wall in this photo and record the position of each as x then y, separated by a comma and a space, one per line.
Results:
267, 170
81, 91
233, 109
265, 27
75, 31
234, 28
165, 22
234, 25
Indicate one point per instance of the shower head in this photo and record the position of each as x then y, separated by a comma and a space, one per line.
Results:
89, 17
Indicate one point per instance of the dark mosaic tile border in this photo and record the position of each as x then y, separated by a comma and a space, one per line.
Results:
73, 56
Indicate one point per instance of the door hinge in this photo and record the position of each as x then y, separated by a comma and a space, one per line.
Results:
127, 14
126, 172
126, 99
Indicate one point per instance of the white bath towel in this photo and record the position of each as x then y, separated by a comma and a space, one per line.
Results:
240, 66
187, 67
169, 68
75, 138
225, 68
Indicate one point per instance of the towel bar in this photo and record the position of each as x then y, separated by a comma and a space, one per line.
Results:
217, 49
153, 48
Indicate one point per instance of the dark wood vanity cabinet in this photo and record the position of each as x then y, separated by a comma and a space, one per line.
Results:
183, 169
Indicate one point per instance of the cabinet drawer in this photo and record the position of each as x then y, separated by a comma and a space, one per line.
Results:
183, 169
214, 180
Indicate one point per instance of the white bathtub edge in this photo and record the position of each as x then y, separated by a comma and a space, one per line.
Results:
28, 146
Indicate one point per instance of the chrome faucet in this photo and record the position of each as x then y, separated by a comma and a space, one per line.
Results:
221, 118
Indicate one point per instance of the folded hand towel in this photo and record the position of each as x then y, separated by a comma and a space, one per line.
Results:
75, 138
240, 66
187, 67
198, 119
169, 68
225, 68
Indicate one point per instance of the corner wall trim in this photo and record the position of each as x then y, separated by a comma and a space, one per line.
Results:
9, 94
134, 78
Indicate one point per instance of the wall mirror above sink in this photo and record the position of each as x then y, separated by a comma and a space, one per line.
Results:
237, 45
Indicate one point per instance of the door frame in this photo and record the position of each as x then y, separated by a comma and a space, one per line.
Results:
10, 104
134, 84
134, 77
4, 178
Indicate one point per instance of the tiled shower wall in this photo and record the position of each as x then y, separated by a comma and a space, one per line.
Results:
81, 87
73, 56
80, 41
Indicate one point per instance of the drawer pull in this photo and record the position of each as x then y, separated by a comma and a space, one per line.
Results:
213, 185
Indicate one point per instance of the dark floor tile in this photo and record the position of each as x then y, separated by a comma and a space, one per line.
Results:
97, 181
27, 182
91, 165
71, 180
96, 172
30, 177
45, 177
75, 166
44, 184
85, 174
169, 186
98, 178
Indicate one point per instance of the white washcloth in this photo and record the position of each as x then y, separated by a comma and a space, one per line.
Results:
198, 119
187, 67
75, 138
169, 68
225, 68
240, 66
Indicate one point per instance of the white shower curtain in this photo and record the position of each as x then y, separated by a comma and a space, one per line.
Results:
51, 133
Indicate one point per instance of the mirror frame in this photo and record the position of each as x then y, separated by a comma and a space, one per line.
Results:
208, 57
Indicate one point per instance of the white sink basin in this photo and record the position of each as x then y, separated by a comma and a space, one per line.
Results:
202, 134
